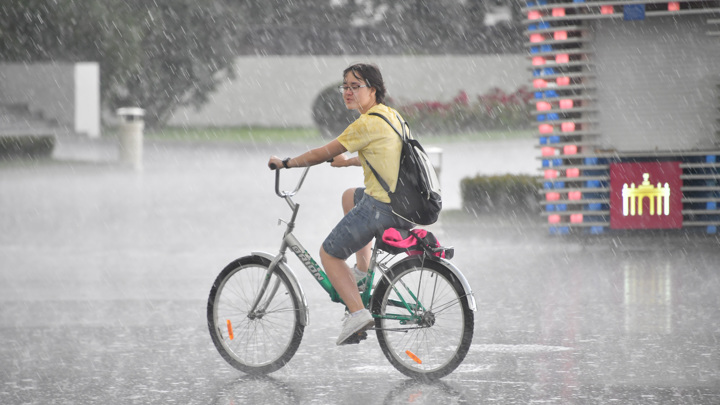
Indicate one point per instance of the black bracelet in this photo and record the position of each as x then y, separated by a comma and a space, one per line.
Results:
285, 163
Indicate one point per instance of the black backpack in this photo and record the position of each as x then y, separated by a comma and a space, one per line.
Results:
417, 195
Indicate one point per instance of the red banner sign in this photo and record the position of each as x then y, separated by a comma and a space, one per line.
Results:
645, 195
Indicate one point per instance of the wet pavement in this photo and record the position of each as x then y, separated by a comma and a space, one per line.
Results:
104, 276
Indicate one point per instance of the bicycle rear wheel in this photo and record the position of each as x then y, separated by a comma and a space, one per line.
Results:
256, 342
423, 319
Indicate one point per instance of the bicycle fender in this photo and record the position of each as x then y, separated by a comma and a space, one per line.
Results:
455, 271
304, 310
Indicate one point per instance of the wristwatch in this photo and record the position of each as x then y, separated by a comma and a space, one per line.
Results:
285, 162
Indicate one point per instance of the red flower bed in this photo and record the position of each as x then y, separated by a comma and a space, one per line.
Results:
495, 110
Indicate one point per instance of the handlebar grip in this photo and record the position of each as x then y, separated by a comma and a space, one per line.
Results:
273, 166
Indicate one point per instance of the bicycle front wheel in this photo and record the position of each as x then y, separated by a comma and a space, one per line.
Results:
256, 341
423, 319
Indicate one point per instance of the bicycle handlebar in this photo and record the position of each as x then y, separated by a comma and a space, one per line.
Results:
284, 194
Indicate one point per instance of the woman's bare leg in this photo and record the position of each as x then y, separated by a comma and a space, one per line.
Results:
339, 272
342, 279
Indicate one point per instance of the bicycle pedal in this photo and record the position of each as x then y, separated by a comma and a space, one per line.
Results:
357, 338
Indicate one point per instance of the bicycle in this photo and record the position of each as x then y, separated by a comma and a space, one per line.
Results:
422, 305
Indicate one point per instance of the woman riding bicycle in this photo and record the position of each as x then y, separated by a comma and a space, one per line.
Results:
367, 210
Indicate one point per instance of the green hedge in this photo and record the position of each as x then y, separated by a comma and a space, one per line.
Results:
505, 194
30, 146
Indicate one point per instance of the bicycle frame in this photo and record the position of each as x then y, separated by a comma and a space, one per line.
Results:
267, 292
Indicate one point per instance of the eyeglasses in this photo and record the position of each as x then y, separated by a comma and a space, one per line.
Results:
353, 88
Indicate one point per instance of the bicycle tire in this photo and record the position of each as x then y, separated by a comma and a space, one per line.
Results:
254, 344
435, 344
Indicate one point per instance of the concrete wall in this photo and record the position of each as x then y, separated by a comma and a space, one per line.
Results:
65, 92
280, 91
659, 89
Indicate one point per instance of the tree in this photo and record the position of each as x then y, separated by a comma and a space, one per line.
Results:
186, 47
157, 55
50, 31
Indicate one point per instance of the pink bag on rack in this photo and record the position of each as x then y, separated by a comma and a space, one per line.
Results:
403, 240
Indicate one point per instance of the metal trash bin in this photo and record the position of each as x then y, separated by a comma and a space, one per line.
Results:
131, 136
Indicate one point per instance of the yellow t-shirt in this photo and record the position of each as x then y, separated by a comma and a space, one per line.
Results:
375, 141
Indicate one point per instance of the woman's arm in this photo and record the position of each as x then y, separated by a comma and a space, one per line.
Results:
312, 157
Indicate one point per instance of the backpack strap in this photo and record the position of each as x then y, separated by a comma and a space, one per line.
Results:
402, 136
379, 179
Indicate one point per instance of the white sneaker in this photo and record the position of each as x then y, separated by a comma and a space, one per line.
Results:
353, 324
360, 278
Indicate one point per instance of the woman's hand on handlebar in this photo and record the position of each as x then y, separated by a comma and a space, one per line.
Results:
339, 161
342, 160
275, 163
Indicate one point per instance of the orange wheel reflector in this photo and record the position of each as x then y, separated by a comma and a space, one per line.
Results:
412, 356
230, 332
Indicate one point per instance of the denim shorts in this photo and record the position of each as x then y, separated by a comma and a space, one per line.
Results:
368, 219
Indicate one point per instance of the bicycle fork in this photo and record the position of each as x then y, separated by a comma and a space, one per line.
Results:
258, 308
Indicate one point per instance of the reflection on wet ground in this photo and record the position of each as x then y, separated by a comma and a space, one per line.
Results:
104, 275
